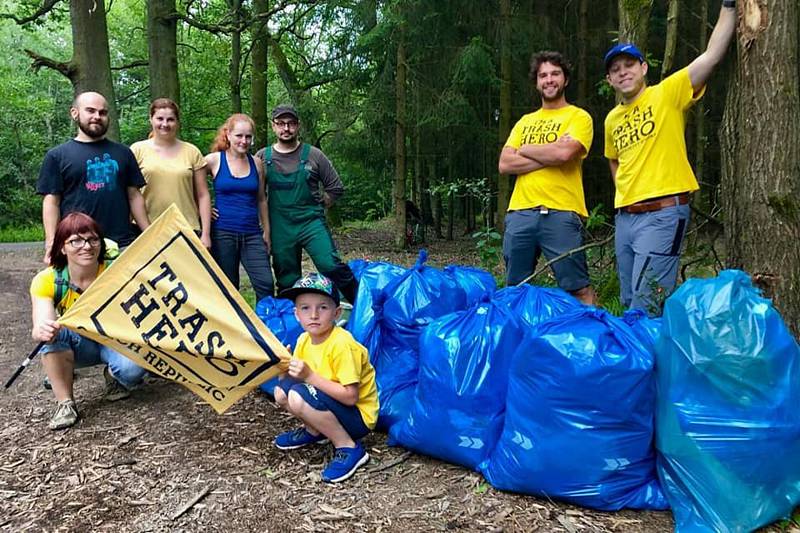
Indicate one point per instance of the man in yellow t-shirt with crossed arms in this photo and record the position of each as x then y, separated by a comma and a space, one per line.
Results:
646, 149
545, 150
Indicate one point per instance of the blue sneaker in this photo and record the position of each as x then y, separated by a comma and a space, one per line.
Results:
345, 463
297, 438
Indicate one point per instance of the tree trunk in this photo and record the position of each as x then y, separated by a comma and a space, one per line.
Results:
700, 118
672, 38
234, 75
438, 213
258, 73
296, 93
91, 62
504, 128
761, 154
399, 189
583, 46
634, 22
162, 45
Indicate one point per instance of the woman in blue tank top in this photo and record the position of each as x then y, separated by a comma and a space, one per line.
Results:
240, 233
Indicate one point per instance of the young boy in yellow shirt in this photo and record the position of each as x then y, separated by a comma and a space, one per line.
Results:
330, 384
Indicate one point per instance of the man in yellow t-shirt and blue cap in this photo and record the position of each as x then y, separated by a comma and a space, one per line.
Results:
646, 150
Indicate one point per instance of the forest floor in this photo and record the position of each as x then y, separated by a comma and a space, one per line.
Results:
134, 465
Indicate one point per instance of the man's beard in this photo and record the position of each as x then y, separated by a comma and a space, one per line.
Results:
554, 98
94, 131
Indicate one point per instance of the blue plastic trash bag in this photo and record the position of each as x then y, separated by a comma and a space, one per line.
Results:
645, 328
728, 417
357, 266
366, 313
457, 414
536, 304
579, 416
419, 296
475, 282
278, 315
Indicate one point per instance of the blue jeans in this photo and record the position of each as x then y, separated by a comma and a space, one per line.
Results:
230, 248
530, 233
90, 353
648, 248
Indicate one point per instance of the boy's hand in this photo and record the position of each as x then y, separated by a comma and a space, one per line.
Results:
299, 369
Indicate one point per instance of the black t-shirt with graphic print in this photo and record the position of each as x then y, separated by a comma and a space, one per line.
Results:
93, 177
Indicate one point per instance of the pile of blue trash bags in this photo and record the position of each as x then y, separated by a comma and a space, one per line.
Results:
697, 411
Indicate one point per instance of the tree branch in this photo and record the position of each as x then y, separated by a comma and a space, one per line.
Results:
134, 64
565, 255
317, 83
334, 130
39, 61
44, 9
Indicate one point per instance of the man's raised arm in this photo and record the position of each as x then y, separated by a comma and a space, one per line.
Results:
701, 68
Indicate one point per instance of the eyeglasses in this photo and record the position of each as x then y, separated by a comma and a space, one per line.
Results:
80, 242
291, 124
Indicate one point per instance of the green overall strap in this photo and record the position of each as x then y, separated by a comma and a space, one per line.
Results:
63, 283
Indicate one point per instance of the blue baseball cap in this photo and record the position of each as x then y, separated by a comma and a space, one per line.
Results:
628, 49
315, 283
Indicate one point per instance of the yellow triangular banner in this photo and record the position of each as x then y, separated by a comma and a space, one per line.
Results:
166, 305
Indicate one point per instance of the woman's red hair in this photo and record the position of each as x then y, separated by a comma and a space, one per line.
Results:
221, 142
75, 223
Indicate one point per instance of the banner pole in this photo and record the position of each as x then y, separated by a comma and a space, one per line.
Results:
25, 363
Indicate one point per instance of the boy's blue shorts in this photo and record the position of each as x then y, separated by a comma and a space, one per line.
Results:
348, 415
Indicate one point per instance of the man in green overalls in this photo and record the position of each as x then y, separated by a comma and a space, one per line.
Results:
301, 183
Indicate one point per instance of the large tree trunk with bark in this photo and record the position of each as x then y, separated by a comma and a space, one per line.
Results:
634, 22
91, 62
504, 128
162, 44
761, 153
399, 188
258, 75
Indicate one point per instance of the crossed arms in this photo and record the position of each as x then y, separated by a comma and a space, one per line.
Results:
530, 157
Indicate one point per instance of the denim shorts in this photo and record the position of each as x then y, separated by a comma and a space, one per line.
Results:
90, 353
348, 415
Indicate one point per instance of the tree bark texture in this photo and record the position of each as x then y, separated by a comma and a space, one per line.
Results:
91, 62
761, 153
234, 75
162, 44
503, 181
258, 73
399, 188
634, 22
672, 38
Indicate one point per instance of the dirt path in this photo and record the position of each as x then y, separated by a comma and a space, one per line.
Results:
130, 466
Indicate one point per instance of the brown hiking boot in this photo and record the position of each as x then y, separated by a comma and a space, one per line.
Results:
114, 389
66, 415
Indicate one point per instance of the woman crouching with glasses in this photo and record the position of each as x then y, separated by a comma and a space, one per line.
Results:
76, 260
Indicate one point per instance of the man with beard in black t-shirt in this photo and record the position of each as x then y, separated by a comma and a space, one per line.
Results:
93, 175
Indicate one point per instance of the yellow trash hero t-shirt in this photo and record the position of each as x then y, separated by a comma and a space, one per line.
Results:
43, 285
170, 180
343, 360
647, 137
558, 187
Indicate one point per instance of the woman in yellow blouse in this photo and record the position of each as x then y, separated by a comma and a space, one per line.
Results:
174, 170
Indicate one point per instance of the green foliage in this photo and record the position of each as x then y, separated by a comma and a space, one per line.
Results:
490, 247
30, 233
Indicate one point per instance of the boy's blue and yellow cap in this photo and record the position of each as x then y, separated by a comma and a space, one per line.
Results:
312, 282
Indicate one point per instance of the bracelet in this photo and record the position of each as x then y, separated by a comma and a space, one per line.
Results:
729, 3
